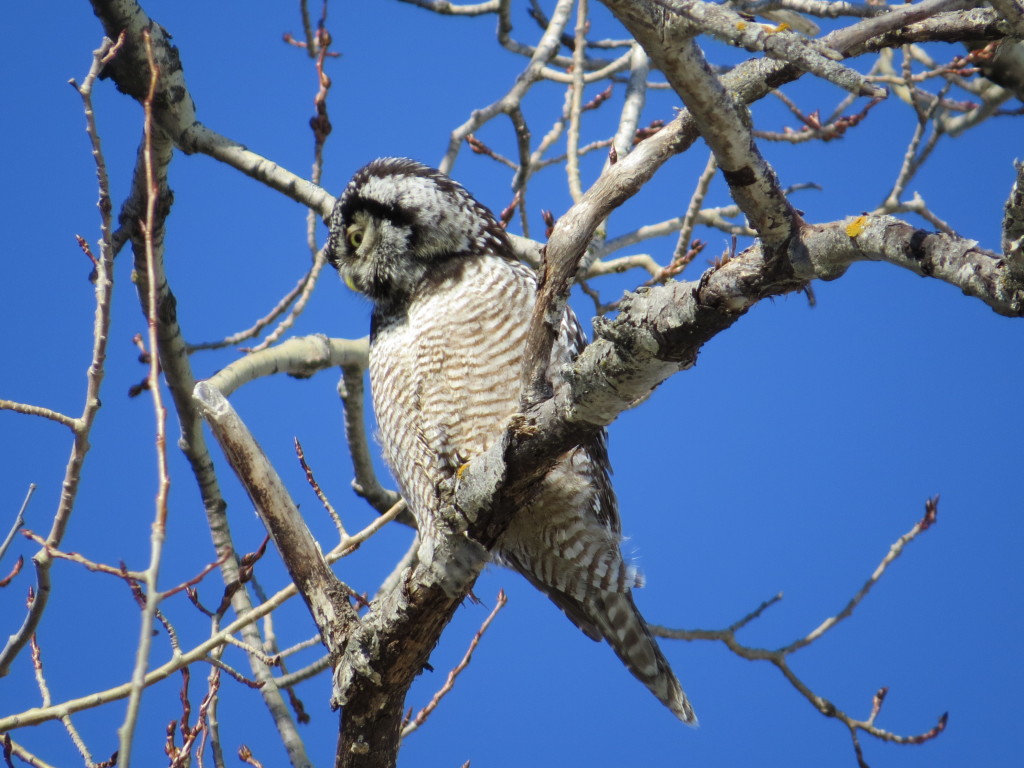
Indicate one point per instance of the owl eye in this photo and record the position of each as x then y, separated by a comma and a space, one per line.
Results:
355, 238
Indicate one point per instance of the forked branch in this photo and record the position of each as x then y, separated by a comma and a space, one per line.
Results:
780, 657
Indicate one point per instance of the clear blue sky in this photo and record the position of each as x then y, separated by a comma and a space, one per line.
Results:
802, 445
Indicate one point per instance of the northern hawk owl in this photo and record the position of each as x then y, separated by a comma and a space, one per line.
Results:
451, 306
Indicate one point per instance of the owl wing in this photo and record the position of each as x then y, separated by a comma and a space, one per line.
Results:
567, 543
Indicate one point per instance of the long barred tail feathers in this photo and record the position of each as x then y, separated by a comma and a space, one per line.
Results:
621, 624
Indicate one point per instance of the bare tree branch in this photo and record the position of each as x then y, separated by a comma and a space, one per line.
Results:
19, 521
299, 356
217, 639
720, 121
325, 596
779, 657
155, 156
83, 425
423, 714
546, 48
453, 9
365, 483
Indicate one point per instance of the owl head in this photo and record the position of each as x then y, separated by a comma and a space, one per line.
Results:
400, 223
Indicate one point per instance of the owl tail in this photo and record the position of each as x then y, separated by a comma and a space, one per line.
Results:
617, 619
611, 614
614, 617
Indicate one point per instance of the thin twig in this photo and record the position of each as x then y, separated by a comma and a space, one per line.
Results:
234, 674
19, 521
270, 661
75, 557
572, 163
256, 328
185, 585
318, 490
39, 715
310, 670
37, 410
545, 51
756, 613
9, 745
309, 642
103, 287
779, 657
424, 713
911, 160
692, 211
321, 126
931, 509
212, 723
917, 205
159, 527
44, 690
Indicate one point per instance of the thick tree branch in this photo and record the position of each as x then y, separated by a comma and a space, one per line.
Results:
661, 330
1012, 11
389, 649
179, 661
1013, 225
301, 356
174, 114
713, 112
177, 370
658, 332
452, 9
199, 138
173, 108
722, 122
572, 234
325, 596
726, 25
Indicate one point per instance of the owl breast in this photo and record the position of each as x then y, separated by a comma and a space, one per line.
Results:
445, 374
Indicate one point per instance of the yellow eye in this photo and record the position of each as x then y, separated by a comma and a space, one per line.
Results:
355, 238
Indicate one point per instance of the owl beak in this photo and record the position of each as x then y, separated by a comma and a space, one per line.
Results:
347, 279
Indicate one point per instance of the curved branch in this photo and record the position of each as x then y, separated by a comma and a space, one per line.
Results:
301, 356
446, 8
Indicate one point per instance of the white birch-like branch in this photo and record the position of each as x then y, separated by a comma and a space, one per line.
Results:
300, 356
